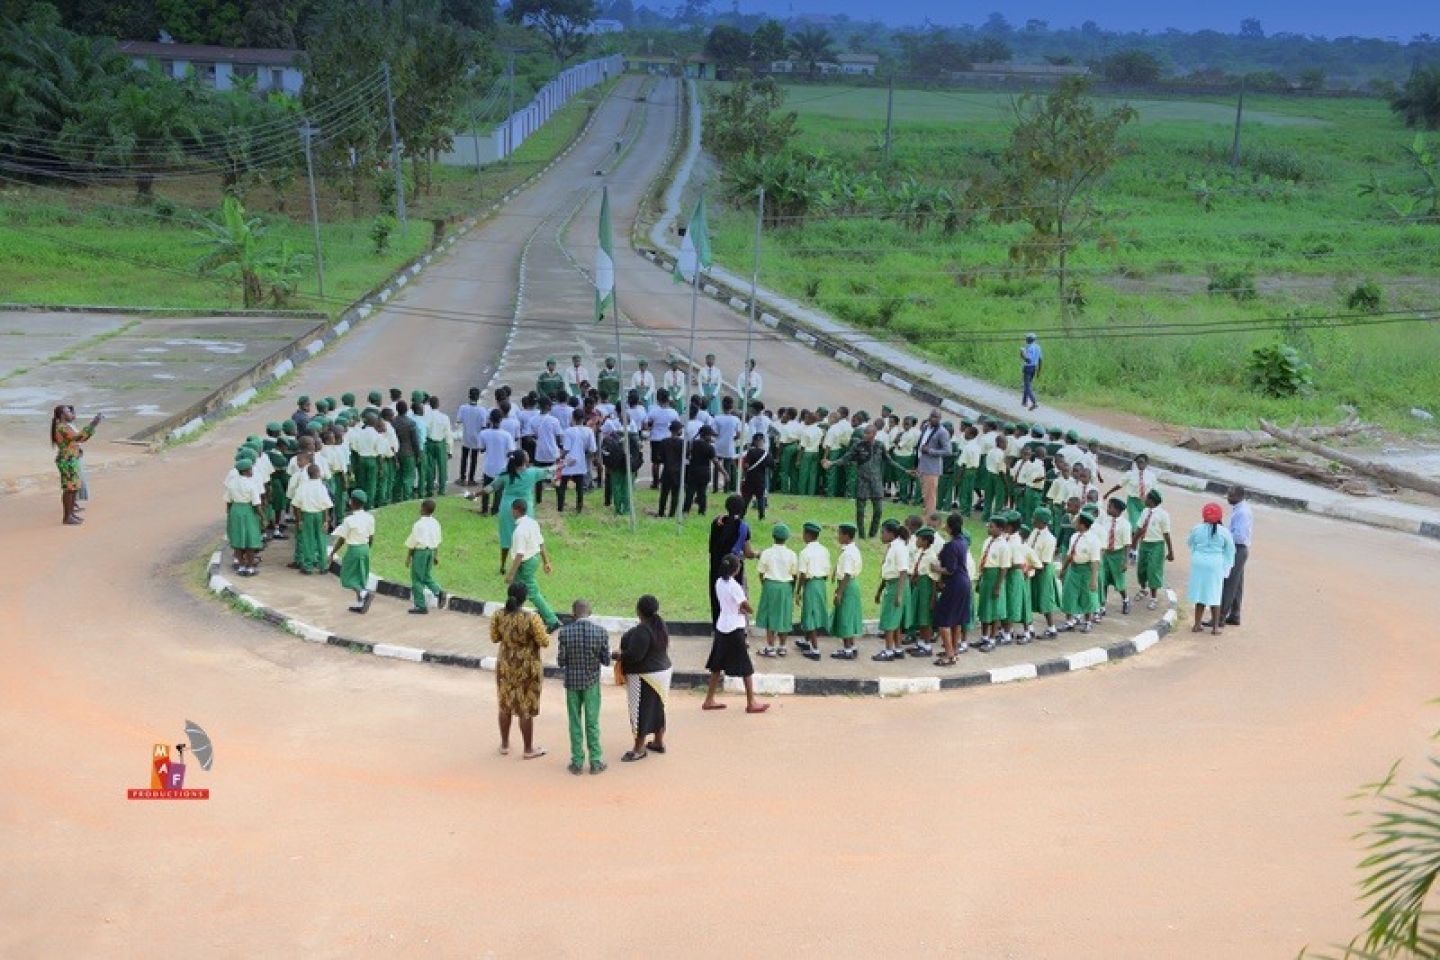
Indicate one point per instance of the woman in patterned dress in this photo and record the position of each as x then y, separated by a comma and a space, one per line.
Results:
66, 440
518, 671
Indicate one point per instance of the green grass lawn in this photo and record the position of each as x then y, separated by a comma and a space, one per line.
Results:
596, 555
1292, 218
97, 246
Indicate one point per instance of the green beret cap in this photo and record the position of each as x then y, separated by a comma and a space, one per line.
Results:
277, 459
1043, 515
967, 422
1072, 435
267, 445
273, 427
812, 527
375, 396
997, 518
926, 532
849, 528
822, 411
359, 496
550, 360
289, 427
1155, 497
1007, 427
244, 463
1090, 511
348, 399
1091, 442
780, 532
891, 524
1012, 516
609, 359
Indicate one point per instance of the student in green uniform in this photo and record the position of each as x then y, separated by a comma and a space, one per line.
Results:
313, 502
1017, 584
994, 566
1044, 587
1114, 533
924, 577
529, 554
355, 533
1080, 575
945, 490
1153, 546
847, 622
775, 615
812, 591
279, 502
608, 381
518, 481
242, 516
422, 557
809, 437
550, 383
997, 491
893, 592
787, 437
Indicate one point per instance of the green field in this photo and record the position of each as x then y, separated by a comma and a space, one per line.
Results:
69, 245
597, 556
1293, 219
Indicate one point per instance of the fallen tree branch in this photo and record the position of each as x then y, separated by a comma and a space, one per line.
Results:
1399, 478
1228, 441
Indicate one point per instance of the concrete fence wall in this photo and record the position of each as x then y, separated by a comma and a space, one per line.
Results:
505, 137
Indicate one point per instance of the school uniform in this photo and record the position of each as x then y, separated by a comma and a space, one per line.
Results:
1152, 529
1137, 484
422, 461
810, 437
1017, 583
676, 385
550, 384
748, 385
896, 564
471, 418
777, 566
925, 577
834, 446
727, 431
643, 383
609, 384
787, 448
971, 457
547, 432
1114, 536
995, 481
312, 498
242, 512
1030, 487
993, 565
1076, 597
574, 377
437, 450
525, 543
365, 445
407, 460
906, 442
712, 382
847, 622
389, 445
1044, 588
424, 540
814, 565
356, 531
578, 444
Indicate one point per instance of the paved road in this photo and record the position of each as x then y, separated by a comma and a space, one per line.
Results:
1187, 803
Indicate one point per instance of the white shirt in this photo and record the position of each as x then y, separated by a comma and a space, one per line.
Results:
312, 496
241, 489
727, 428
574, 376
838, 435
730, 594
356, 528
995, 554
424, 535
526, 540
1084, 547
1105, 525
644, 382
1041, 546
897, 560
498, 445
759, 426
751, 383
907, 441
1137, 483
778, 562
472, 419
364, 442
579, 444
674, 383
711, 380
437, 426
850, 563
1155, 521
814, 562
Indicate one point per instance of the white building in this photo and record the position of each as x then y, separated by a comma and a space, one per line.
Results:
858, 64
605, 26
220, 67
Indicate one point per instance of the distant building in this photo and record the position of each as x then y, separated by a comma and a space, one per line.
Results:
1027, 71
275, 71
652, 64
825, 68
858, 64
605, 26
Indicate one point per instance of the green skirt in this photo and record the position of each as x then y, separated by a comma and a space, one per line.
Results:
355, 568
1076, 597
892, 616
242, 527
1150, 564
815, 606
991, 608
310, 541
1112, 570
847, 622
1134, 506
777, 606
1017, 596
1044, 592
922, 601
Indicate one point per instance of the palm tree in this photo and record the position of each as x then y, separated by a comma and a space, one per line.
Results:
812, 46
1418, 102
235, 248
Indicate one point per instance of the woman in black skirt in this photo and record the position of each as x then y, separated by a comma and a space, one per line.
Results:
729, 536
952, 610
645, 659
729, 656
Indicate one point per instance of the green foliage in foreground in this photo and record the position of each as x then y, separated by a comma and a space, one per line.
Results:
595, 554
1291, 222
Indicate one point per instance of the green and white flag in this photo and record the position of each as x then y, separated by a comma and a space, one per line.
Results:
694, 246
604, 262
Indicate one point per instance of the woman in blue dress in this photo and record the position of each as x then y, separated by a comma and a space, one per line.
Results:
952, 610
1212, 554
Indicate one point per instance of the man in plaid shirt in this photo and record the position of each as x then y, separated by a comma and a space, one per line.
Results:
584, 648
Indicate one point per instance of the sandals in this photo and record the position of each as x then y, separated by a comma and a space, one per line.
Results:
631, 756
653, 747
944, 662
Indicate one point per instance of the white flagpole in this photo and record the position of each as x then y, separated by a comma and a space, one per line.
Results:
622, 409
689, 371
754, 289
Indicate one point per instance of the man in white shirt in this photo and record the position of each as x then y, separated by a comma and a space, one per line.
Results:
657, 423
676, 383
578, 444
547, 432
576, 377
527, 553
727, 431
642, 381
712, 382
437, 446
472, 418
496, 445
748, 385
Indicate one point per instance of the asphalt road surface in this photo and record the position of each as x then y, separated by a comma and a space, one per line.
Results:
1188, 803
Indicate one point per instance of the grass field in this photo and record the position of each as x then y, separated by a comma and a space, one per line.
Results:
95, 245
595, 554
1292, 219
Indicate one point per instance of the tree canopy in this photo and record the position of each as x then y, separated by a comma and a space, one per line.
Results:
1418, 102
561, 22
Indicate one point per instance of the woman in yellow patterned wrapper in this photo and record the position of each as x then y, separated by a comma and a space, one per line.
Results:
66, 439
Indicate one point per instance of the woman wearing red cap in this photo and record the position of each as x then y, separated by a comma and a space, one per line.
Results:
1212, 554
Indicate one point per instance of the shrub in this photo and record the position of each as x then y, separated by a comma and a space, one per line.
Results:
380, 230
1367, 297
1235, 282
1278, 370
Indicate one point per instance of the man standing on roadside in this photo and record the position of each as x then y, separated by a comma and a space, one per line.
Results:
1242, 526
932, 450
583, 647
1031, 360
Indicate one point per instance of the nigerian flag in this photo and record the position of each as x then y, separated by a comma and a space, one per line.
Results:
694, 246
604, 262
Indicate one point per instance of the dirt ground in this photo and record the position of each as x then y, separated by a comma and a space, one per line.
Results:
1188, 803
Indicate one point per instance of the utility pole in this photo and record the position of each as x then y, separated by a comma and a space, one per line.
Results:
890, 117
395, 149
510, 110
307, 132
754, 306
1239, 114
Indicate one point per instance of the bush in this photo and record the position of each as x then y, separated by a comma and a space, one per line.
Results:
1366, 297
1278, 370
380, 230
1235, 282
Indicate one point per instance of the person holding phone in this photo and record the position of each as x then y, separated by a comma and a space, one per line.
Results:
66, 438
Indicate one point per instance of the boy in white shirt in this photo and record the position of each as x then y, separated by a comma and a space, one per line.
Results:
1137, 483
1153, 546
422, 557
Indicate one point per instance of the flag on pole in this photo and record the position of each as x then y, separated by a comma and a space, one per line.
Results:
695, 246
604, 262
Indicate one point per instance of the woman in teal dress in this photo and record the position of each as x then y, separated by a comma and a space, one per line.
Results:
518, 482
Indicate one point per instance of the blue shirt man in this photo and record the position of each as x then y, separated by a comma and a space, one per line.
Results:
1031, 359
1242, 530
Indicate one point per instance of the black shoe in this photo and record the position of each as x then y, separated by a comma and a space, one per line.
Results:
811, 655
1231, 622
365, 604
417, 610
441, 599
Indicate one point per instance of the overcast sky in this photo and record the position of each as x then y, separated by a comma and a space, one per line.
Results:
1377, 18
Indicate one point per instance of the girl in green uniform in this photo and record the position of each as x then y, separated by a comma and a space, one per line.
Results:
242, 516
1044, 590
777, 567
991, 608
356, 533
1152, 542
847, 623
924, 577
1080, 575
893, 593
812, 576
1017, 586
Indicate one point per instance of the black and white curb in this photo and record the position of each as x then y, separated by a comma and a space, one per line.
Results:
769, 684
225, 401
